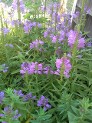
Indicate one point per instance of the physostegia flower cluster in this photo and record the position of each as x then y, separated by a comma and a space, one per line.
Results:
43, 102
9, 111
35, 68
28, 25
38, 68
31, 68
74, 36
19, 3
63, 66
36, 45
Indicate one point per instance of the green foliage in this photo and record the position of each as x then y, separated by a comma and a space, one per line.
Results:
70, 98
16, 102
82, 113
41, 117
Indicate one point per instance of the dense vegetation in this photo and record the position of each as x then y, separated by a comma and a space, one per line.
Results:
45, 64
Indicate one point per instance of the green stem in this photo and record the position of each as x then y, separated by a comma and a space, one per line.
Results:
27, 82
81, 17
18, 10
45, 9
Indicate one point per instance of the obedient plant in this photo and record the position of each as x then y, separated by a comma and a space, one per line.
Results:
9, 115
9, 45
4, 68
5, 30
1, 97
45, 64
31, 68
36, 45
63, 66
43, 102
18, 3
13, 99
74, 37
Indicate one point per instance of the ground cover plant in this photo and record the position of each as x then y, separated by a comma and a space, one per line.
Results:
45, 64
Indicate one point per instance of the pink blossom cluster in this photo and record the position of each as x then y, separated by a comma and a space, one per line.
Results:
58, 38
28, 25
74, 36
31, 68
63, 65
48, 70
35, 68
38, 68
36, 44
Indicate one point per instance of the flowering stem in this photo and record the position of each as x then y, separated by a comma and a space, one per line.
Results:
81, 17
5, 49
18, 10
61, 75
37, 84
55, 21
56, 18
27, 82
56, 48
74, 52
51, 15
2, 28
62, 71
45, 9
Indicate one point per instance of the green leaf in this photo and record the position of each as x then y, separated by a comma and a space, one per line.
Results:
72, 118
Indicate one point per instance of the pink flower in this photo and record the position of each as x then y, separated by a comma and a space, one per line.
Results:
38, 68
45, 34
63, 63
74, 36
48, 70
58, 63
81, 43
36, 44
54, 39
31, 68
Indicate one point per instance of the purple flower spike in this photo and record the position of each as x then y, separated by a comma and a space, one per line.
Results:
4, 68
5, 31
9, 45
1, 97
27, 26
21, 5
31, 68
36, 44
2, 115
19, 93
48, 70
73, 36
63, 64
29, 96
9, 111
45, 34
76, 14
39, 25
54, 39
26, 29
17, 115
15, 23
43, 102
89, 44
